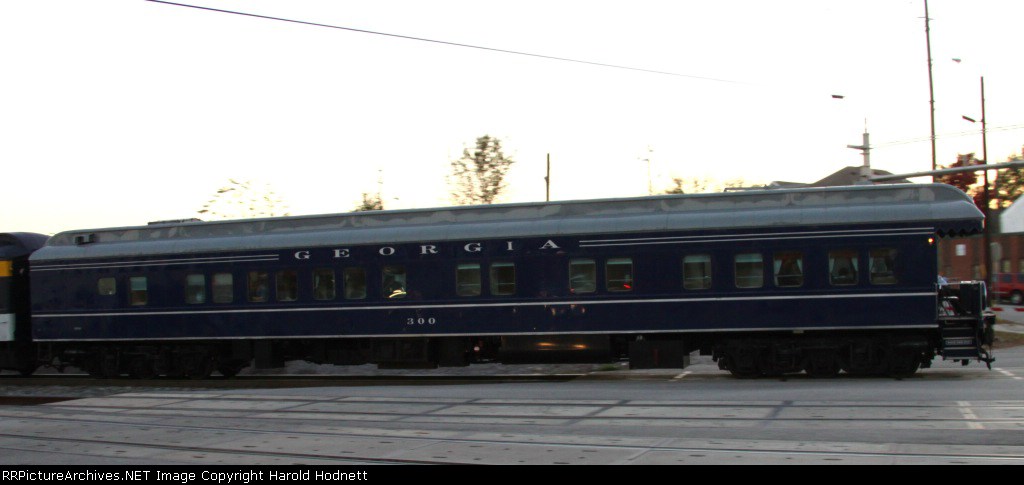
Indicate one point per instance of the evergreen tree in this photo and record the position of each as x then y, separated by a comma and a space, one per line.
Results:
1009, 184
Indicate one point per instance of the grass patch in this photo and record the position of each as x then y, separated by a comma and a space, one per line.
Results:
1005, 340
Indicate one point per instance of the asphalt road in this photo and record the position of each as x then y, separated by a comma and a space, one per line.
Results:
945, 415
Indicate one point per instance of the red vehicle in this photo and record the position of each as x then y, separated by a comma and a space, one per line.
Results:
1009, 286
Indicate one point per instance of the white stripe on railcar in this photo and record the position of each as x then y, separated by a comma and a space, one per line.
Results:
490, 305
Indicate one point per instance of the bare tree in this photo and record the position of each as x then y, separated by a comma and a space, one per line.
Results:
244, 199
694, 186
677, 186
370, 203
479, 176
735, 183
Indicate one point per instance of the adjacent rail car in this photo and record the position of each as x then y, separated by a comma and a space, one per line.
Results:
767, 282
16, 350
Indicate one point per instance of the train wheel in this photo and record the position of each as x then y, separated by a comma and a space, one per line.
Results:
27, 361
200, 367
175, 373
822, 363
93, 369
103, 365
860, 359
141, 368
903, 364
231, 368
742, 362
745, 373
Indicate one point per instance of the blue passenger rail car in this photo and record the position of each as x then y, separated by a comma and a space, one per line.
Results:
767, 282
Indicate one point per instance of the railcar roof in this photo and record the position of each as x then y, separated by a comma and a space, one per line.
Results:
18, 244
947, 209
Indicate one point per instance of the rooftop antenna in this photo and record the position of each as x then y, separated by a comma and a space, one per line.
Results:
865, 148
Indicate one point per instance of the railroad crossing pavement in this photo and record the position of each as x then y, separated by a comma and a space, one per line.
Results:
946, 415
350, 427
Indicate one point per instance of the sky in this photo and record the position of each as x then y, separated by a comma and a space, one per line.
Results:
120, 112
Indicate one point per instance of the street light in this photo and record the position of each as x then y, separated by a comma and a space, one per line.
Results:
650, 187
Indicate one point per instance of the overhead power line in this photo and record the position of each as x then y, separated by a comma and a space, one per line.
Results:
947, 135
449, 43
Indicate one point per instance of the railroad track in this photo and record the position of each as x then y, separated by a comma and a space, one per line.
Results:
306, 458
257, 381
716, 451
656, 420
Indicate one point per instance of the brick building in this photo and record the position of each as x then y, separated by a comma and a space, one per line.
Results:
962, 258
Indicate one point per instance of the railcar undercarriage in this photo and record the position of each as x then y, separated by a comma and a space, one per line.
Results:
897, 355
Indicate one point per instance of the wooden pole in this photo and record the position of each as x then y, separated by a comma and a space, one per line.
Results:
547, 182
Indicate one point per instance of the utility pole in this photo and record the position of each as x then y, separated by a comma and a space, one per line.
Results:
380, 188
990, 271
984, 137
931, 85
650, 187
547, 182
986, 201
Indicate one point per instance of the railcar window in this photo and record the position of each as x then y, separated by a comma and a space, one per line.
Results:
195, 288
259, 286
618, 274
789, 269
393, 280
287, 285
106, 286
355, 283
697, 272
503, 279
467, 279
138, 294
882, 266
223, 288
323, 284
842, 267
749, 270
582, 276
